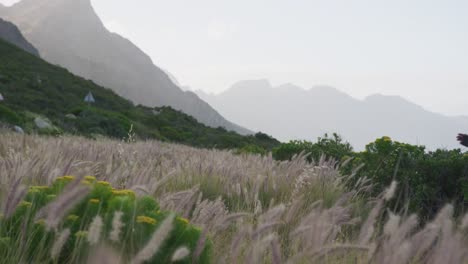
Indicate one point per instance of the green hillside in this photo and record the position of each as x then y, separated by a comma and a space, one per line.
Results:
32, 87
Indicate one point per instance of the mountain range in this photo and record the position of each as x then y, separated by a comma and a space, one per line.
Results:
291, 112
69, 33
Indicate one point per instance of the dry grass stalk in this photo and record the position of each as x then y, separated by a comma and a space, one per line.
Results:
59, 243
95, 230
116, 226
156, 241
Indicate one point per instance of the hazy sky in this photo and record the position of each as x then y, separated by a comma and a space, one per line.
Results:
414, 48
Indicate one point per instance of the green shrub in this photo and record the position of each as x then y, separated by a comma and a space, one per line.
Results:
251, 149
428, 180
329, 146
9, 116
140, 217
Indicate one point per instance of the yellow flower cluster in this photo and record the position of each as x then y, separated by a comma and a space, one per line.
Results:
183, 220
73, 217
387, 139
81, 234
94, 201
90, 178
38, 188
41, 222
25, 204
67, 178
103, 183
146, 219
123, 192
86, 182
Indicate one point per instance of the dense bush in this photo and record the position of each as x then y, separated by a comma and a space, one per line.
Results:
9, 116
428, 179
251, 149
116, 217
329, 146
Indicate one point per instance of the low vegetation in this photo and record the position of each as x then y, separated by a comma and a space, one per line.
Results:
253, 208
428, 179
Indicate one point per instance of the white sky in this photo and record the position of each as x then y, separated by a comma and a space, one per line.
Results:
414, 48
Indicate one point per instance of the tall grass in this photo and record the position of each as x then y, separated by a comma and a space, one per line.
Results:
255, 209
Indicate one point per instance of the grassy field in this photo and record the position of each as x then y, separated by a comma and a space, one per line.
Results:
254, 209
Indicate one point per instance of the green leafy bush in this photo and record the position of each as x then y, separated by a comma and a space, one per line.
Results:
428, 179
251, 149
9, 116
334, 147
128, 224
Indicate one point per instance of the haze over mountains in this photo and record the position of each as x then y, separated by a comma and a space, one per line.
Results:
291, 112
10, 33
70, 34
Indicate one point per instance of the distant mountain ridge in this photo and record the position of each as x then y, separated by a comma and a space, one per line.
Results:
69, 33
10, 33
290, 112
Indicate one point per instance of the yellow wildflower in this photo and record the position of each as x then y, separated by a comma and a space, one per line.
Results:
105, 183
25, 204
41, 222
87, 182
81, 234
43, 187
146, 219
70, 178
73, 217
95, 201
90, 178
123, 192
183, 220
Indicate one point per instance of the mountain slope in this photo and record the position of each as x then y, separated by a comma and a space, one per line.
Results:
34, 89
70, 34
290, 112
10, 33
